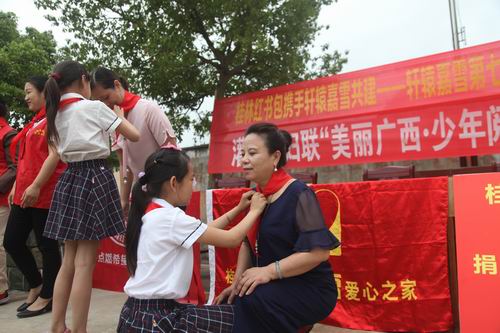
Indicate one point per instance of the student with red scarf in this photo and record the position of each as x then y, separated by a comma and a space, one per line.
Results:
38, 169
154, 127
283, 280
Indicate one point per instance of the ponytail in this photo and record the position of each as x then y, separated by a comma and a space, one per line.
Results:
52, 97
64, 75
140, 200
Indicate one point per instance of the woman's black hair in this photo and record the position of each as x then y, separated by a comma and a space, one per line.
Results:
160, 167
105, 78
63, 76
38, 82
274, 138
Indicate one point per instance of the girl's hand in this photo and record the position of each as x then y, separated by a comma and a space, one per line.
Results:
253, 277
245, 200
30, 196
229, 293
119, 111
10, 198
258, 202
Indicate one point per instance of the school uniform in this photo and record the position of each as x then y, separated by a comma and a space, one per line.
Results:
86, 203
163, 274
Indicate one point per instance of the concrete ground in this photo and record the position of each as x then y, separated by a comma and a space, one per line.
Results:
104, 310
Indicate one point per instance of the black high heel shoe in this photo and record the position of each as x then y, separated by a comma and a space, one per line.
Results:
27, 313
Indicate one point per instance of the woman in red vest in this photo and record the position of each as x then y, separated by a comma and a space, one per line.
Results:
38, 170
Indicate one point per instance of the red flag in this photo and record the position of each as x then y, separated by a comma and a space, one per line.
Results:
392, 270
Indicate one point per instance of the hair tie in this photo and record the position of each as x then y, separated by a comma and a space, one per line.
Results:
55, 76
142, 178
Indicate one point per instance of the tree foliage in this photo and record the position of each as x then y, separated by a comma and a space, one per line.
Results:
22, 55
180, 52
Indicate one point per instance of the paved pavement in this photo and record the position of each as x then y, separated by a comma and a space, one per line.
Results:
104, 310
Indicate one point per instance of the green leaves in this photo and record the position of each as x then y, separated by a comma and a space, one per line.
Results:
181, 52
22, 55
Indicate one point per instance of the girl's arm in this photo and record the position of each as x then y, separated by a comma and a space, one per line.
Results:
126, 128
234, 236
30, 195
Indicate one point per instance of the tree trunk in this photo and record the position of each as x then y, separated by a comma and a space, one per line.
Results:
220, 91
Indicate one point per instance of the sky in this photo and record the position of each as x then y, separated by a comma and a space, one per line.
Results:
375, 32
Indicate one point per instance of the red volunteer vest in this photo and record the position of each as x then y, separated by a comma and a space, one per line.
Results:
31, 159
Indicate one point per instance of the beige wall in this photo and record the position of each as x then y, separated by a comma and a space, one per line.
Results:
333, 174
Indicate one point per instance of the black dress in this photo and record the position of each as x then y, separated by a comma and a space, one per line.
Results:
293, 223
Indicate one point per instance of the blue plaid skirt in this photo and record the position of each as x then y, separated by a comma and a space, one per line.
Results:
86, 204
163, 315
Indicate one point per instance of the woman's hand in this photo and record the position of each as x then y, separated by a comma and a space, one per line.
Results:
229, 293
10, 198
253, 277
245, 200
258, 202
30, 196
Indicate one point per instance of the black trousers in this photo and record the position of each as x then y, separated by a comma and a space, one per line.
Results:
21, 222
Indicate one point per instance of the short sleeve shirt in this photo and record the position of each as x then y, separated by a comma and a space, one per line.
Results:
154, 128
164, 254
84, 128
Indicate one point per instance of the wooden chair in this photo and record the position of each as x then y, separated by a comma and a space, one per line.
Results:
308, 178
389, 172
494, 167
232, 182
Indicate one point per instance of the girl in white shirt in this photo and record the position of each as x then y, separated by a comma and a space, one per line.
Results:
86, 205
159, 241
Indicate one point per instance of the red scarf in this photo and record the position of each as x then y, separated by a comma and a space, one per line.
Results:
68, 101
278, 180
129, 102
152, 206
18, 140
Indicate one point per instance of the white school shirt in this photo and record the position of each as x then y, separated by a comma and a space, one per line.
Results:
165, 253
84, 129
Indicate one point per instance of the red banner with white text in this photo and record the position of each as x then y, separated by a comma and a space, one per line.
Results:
111, 269
437, 106
392, 267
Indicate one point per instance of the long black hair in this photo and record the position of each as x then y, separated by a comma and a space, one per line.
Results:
160, 167
105, 78
274, 138
63, 76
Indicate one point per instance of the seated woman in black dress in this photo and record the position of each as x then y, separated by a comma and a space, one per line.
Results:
283, 280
